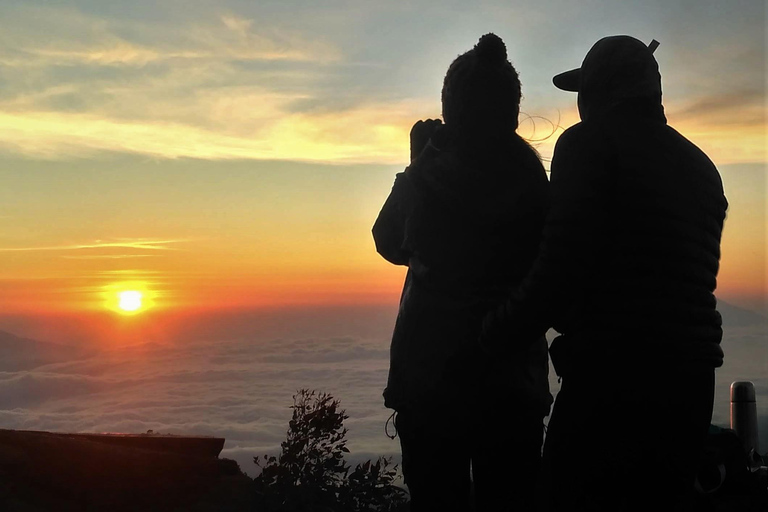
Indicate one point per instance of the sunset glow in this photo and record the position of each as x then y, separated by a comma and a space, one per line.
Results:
129, 300
187, 196
235, 155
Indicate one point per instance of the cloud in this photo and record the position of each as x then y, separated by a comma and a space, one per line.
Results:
129, 272
51, 36
116, 53
267, 43
109, 256
729, 127
241, 388
142, 244
239, 25
229, 389
226, 87
31, 389
314, 351
369, 134
739, 108
270, 83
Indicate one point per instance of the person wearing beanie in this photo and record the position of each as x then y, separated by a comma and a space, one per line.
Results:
466, 217
626, 274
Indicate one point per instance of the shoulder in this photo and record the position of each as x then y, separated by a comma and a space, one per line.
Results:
573, 145
582, 142
582, 135
708, 178
692, 149
583, 158
572, 134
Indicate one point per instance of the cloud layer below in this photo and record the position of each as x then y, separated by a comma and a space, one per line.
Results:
241, 388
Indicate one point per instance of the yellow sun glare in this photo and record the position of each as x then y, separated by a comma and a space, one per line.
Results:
129, 300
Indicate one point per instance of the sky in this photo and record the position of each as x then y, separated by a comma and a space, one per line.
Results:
234, 155
228, 159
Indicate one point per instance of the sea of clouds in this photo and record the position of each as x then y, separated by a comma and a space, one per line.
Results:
238, 390
241, 388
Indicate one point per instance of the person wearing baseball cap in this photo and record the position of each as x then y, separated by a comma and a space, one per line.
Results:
626, 275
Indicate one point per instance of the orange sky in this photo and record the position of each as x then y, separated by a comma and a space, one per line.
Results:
236, 156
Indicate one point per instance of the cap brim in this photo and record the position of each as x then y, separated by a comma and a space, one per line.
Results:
568, 81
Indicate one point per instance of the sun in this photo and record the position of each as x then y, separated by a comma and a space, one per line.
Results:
130, 300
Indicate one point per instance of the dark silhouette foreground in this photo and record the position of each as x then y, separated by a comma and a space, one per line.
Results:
466, 218
42, 471
310, 473
626, 272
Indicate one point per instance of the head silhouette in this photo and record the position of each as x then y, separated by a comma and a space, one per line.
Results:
617, 69
481, 91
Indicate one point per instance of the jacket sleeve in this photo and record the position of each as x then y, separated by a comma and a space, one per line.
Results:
573, 235
389, 230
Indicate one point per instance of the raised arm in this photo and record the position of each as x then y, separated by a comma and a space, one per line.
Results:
390, 227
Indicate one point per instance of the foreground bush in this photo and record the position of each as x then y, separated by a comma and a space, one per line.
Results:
311, 475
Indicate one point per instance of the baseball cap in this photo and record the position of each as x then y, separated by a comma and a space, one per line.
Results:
615, 62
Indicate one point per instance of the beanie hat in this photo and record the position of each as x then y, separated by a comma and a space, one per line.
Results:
481, 91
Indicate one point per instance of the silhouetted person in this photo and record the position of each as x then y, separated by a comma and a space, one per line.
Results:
626, 273
466, 218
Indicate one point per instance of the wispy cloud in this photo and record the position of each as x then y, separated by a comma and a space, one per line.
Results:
141, 244
729, 127
53, 37
372, 133
222, 87
262, 83
109, 256
119, 52
130, 272
745, 108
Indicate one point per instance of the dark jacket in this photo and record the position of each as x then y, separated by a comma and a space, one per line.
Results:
467, 225
630, 253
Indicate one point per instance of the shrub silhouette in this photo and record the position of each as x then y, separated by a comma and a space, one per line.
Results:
311, 475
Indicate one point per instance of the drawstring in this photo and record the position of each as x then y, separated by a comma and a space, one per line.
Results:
393, 419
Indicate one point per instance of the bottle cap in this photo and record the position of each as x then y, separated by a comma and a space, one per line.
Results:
742, 391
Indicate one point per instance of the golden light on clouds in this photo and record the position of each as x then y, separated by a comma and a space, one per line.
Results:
117, 243
262, 128
232, 86
727, 144
372, 134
